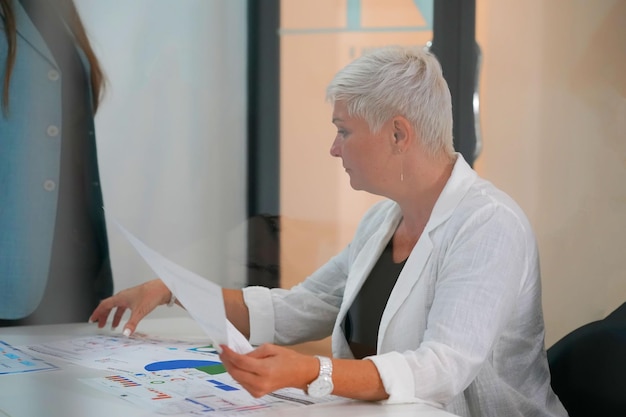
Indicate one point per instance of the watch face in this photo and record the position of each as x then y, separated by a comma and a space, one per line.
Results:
320, 387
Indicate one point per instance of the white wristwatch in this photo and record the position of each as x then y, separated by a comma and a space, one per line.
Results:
323, 384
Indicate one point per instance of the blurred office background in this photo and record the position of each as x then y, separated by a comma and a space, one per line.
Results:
214, 132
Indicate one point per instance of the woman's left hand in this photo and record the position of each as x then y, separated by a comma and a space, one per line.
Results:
270, 367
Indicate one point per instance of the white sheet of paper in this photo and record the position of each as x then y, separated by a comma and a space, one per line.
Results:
202, 298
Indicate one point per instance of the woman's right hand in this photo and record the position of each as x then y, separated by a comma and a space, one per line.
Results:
141, 300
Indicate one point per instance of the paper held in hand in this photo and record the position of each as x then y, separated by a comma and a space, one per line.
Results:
202, 298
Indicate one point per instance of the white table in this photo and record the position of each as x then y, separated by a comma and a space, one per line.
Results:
59, 393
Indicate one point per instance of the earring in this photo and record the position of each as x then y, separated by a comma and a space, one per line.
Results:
401, 170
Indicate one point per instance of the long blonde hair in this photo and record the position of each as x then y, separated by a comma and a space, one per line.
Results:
72, 19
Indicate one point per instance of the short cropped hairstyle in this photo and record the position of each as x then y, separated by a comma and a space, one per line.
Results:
398, 81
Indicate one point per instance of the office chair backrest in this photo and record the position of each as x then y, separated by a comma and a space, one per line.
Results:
588, 368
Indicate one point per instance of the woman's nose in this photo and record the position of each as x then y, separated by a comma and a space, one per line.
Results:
335, 149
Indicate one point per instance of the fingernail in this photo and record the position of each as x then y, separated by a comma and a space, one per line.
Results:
126, 332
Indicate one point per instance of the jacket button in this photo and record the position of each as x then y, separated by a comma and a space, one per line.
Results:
52, 131
53, 75
49, 185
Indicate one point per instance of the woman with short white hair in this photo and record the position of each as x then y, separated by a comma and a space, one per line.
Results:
437, 299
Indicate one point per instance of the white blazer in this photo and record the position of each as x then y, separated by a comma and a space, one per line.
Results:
463, 327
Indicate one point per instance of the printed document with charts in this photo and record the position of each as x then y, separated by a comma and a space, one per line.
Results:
175, 377
169, 376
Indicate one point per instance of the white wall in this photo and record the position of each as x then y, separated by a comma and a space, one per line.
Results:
553, 90
172, 131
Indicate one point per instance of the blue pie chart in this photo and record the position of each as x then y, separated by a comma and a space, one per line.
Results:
210, 367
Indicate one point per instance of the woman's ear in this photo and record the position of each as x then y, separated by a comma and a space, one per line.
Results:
402, 132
